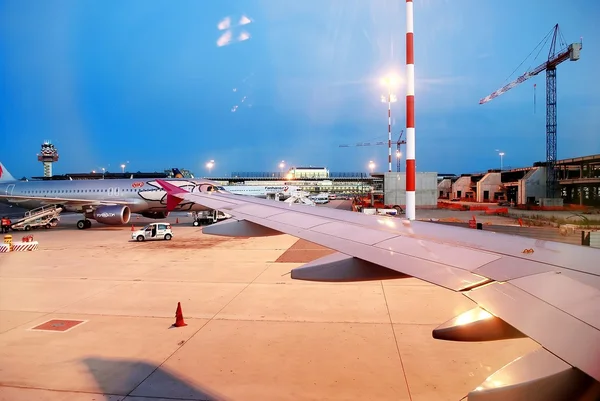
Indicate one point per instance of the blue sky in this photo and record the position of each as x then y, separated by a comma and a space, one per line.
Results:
145, 82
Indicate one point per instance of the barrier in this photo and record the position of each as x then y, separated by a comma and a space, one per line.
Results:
8, 241
4, 248
25, 246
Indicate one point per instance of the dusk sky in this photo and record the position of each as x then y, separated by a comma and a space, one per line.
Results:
158, 84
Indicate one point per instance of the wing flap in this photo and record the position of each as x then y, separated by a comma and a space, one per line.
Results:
467, 259
579, 345
571, 296
509, 268
353, 233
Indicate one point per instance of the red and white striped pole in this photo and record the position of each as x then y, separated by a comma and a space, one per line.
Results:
410, 114
389, 128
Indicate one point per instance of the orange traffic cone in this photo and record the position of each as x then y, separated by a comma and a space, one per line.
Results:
179, 322
132, 228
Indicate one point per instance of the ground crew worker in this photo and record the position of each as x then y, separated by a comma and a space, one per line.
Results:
5, 224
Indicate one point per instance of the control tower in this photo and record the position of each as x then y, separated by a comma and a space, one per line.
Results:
48, 155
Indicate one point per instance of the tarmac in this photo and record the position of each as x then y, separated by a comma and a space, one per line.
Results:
252, 332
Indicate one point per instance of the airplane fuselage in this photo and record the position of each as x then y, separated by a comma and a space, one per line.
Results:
141, 195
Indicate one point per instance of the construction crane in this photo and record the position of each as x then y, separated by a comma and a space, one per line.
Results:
399, 142
571, 53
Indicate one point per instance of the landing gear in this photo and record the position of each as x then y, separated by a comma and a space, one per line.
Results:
83, 224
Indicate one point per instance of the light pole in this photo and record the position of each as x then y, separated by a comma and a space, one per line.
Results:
389, 82
210, 165
501, 154
123, 168
371, 166
281, 167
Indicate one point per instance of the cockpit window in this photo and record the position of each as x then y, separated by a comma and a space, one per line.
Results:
221, 188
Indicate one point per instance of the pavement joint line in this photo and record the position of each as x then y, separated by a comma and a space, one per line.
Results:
396, 341
197, 331
230, 319
61, 390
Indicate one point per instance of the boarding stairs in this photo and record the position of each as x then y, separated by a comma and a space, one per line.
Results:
301, 199
45, 216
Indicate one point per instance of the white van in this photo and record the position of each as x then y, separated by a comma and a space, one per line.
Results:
321, 198
153, 231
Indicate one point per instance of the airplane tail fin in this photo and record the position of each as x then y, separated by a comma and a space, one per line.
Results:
5, 176
177, 173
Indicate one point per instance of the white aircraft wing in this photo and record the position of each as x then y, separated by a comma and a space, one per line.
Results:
547, 291
64, 201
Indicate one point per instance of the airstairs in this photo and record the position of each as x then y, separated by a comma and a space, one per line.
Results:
45, 216
304, 200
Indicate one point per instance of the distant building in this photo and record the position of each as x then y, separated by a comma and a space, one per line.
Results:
307, 173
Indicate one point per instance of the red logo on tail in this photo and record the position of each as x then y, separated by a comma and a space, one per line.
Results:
1, 171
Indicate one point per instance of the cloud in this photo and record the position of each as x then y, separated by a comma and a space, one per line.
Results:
225, 23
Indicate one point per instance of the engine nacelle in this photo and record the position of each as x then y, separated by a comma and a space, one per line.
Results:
155, 215
111, 215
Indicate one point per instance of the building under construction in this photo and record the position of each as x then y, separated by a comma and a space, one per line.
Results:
578, 183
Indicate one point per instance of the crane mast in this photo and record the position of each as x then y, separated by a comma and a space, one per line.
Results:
572, 53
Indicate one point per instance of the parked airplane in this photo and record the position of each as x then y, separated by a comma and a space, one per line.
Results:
524, 287
263, 191
108, 202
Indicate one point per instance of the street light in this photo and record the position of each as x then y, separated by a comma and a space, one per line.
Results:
371, 166
501, 156
210, 165
123, 168
389, 82
281, 166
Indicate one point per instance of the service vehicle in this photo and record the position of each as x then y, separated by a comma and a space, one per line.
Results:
153, 231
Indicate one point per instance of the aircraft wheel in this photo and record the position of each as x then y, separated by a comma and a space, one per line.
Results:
88, 224
81, 224
196, 223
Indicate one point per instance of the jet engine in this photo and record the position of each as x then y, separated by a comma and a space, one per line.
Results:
155, 215
111, 215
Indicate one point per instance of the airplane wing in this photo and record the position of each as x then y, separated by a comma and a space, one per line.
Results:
524, 287
64, 201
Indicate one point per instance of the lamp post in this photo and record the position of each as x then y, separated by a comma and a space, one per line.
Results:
389, 82
281, 167
501, 161
123, 168
210, 165
371, 166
